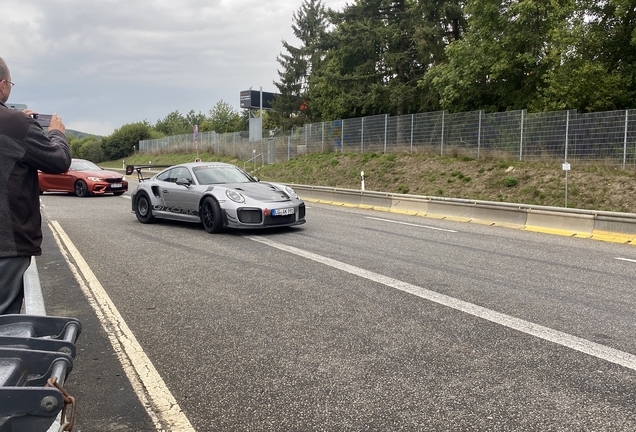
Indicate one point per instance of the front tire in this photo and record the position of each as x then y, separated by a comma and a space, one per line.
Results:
143, 209
211, 216
81, 188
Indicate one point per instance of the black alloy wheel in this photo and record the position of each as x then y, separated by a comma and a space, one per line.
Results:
211, 216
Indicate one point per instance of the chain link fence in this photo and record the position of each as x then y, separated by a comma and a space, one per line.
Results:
605, 137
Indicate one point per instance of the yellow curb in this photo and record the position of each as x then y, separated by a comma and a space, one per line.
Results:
612, 238
457, 219
625, 236
404, 212
554, 231
508, 225
435, 216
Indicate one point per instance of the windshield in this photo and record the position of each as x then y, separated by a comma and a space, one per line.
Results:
83, 165
216, 174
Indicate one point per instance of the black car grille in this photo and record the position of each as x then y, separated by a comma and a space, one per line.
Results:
113, 180
280, 220
301, 211
247, 216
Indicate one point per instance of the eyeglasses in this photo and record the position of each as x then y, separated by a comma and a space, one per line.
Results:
12, 84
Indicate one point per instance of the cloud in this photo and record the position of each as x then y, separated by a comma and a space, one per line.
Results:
105, 63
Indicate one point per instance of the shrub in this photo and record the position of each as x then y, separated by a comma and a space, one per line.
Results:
510, 181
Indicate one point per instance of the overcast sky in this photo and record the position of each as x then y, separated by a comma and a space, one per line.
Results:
100, 64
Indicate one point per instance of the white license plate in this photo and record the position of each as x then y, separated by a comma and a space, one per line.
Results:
283, 212
115, 185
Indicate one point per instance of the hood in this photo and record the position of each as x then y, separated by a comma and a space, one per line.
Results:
259, 191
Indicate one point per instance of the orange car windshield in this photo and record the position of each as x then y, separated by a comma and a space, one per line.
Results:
83, 166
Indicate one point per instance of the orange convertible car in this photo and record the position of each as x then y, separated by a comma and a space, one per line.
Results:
84, 178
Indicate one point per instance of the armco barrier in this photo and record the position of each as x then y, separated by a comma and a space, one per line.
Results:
601, 225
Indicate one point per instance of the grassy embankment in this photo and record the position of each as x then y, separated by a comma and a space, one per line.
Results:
590, 186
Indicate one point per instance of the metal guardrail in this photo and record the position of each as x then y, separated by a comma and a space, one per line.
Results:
36, 356
577, 222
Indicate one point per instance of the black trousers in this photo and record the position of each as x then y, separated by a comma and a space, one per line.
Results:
12, 283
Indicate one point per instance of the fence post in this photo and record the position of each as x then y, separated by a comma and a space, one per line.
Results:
521, 139
342, 136
442, 146
362, 136
322, 144
412, 124
386, 120
567, 132
625, 139
479, 135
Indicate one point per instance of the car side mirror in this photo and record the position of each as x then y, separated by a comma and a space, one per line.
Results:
181, 181
256, 178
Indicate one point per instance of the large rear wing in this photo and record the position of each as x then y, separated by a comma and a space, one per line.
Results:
132, 168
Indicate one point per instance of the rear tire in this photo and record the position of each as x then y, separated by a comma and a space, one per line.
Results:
81, 188
143, 209
211, 216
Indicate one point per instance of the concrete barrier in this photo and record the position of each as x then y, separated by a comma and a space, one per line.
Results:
600, 225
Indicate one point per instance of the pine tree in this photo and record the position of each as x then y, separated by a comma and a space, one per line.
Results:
292, 106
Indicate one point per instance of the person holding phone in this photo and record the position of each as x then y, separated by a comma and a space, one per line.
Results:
24, 149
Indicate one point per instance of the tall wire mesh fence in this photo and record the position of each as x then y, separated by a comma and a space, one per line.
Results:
604, 137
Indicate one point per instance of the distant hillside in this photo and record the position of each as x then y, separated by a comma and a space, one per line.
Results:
80, 135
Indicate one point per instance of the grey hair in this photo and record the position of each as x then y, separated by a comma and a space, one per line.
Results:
4, 70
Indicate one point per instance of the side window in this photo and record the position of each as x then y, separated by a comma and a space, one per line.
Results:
182, 173
165, 176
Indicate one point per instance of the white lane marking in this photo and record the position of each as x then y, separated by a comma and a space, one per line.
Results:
410, 224
576, 343
626, 259
125, 196
150, 388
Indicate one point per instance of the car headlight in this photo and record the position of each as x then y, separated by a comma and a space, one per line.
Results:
235, 196
291, 192
95, 178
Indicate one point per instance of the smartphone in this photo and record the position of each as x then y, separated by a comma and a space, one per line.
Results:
43, 119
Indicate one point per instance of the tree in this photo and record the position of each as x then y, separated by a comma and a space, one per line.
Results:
292, 107
378, 52
88, 147
125, 140
501, 60
193, 119
222, 119
174, 124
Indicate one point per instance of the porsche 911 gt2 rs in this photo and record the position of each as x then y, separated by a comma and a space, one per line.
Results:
215, 194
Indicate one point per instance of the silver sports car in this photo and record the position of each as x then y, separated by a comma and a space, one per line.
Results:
218, 195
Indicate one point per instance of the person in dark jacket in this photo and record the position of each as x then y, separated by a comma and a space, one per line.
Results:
24, 149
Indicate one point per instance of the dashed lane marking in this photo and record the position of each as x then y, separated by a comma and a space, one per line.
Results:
626, 259
603, 352
411, 224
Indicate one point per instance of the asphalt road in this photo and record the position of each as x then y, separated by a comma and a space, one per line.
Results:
356, 321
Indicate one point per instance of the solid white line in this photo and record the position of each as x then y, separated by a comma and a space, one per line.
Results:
576, 343
410, 224
626, 259
152, 391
